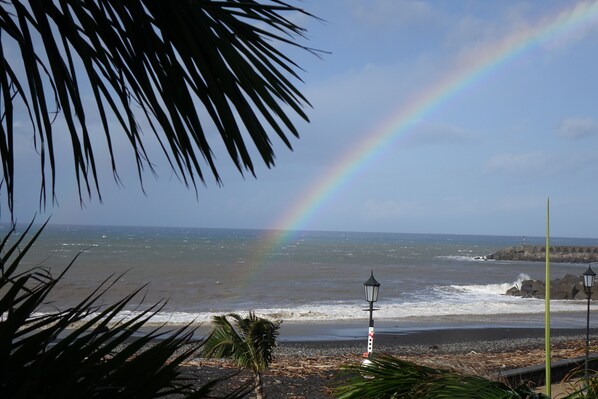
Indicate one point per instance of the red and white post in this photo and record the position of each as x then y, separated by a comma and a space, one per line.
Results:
370, 341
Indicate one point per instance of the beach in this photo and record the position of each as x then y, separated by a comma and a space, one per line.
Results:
312, 369
441, 303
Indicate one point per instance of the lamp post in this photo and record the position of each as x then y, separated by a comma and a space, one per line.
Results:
372, 287
589, 277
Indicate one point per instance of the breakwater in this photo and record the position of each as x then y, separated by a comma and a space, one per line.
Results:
558, 253
568, 287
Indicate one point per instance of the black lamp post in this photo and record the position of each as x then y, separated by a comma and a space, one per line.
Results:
372, 288
589, 277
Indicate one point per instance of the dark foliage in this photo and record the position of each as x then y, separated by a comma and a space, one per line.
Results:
183, 68
42, 355
387, 377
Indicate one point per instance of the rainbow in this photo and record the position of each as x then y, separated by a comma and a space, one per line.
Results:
399, 124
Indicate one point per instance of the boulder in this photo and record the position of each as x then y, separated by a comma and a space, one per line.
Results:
514, 291
568, 287
532, 289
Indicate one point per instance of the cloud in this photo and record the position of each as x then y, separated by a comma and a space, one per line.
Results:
394, 14
568, 35
425, 134
541, 165
384, 209
518, 203
517, 163
473, 37
576, 128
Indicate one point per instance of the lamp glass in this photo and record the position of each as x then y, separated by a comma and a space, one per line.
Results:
371, 292
372, 287
589, 277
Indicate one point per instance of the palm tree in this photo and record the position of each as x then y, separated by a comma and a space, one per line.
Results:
184, 69
250, 343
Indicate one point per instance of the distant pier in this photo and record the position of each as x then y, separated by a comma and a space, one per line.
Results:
558, 253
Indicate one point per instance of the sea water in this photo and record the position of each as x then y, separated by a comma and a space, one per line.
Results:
427, 280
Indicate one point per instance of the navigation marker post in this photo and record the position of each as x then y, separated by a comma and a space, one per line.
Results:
547, 347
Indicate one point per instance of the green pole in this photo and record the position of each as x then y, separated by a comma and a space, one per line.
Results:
547, 302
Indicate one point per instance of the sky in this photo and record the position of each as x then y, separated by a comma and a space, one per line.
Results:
458, 117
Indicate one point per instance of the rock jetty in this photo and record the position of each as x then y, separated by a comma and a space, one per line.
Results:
568, 287
558, 253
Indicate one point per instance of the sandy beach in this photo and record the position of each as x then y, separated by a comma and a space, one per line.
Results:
312, 368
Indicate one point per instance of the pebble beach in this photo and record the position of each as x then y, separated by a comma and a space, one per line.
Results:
313, 369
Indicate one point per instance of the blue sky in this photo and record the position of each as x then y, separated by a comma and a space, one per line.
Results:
483, 162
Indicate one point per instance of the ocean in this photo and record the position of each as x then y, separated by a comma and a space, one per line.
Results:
427, 280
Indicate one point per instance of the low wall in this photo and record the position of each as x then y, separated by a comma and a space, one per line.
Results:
559, 369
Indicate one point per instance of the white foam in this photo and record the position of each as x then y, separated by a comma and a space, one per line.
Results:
489, 289
389, 311
464, 258
452, 300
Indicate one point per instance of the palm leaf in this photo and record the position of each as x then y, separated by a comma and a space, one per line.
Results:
263, 335
389, 377
43, 355
184, 67
248, 341
223, 341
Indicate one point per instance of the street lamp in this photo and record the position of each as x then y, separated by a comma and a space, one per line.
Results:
589, 277
372, 288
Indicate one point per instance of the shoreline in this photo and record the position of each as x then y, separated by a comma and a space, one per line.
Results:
413, 330
401, 332
439, 341
448, 336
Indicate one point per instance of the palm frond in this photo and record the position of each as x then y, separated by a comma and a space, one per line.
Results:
248, 341
263, 335
223, 341
184, 67
103, 357
388, 377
